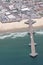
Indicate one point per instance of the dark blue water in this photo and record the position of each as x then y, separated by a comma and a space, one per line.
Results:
16, 51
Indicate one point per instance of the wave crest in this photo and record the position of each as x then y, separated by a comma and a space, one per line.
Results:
12, 35
39, 32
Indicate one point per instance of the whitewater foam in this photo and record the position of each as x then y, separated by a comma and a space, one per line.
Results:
18, 34
12, 35
39, 32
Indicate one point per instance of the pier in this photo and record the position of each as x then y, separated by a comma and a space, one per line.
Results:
32, 44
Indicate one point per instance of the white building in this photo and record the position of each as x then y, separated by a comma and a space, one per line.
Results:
11, 7
11, 16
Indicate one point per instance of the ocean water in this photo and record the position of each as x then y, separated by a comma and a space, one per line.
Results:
14, 49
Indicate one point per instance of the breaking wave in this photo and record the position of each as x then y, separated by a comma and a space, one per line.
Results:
18, 34
13, 35
39, 32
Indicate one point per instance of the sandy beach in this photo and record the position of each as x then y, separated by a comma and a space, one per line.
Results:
20, 26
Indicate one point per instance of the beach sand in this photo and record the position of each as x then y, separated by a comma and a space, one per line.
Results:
20, 26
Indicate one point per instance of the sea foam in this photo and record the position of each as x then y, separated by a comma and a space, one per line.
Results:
39, 32
18, 34
13, 35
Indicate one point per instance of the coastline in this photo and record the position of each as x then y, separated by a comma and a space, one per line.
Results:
20, 26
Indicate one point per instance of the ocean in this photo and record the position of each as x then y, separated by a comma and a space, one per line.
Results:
14, 49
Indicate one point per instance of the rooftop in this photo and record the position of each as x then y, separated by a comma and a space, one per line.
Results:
12, 10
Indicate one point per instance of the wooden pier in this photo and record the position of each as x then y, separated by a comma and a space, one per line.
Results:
32, 44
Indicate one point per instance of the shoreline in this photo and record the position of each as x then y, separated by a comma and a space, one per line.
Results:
20, 26
22, 30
